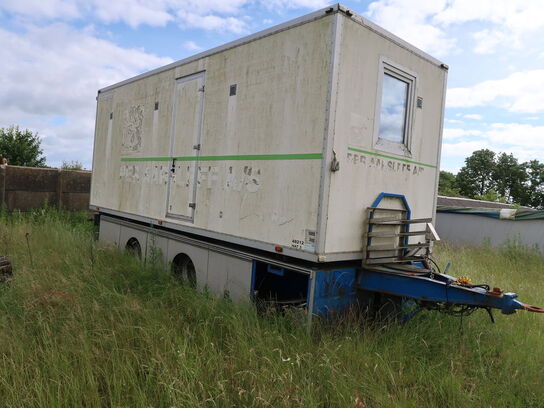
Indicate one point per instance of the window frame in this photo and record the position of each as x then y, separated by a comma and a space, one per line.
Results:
388, 67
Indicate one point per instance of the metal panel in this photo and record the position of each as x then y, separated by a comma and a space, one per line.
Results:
157, 248
185, 143
217, 273
199, 257
202, 243
366, 169
468, 229
229, 275
328, 136
109, 232
127, 233
260, 159
334, 292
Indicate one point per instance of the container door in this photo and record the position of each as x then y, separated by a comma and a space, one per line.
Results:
187, 114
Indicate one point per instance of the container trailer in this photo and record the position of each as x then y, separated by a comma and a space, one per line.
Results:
287, 166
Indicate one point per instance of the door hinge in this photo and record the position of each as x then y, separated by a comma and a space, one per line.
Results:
192, 205
202, 88
196, 147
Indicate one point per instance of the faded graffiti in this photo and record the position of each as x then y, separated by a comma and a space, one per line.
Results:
244, 177
132, 128
384, 164
136, 173
235, 178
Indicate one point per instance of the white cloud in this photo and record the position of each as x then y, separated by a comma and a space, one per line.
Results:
294, 4
425, 23
212, 22
474, 116
55, 72
411, 20
488, 40
524, 141
192, 46
517, 15
131, 12
519, 92
517, 134
42, 9
463, 149
453, 133
220, 15
511, 21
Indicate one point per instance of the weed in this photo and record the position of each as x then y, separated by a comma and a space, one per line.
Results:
88, 325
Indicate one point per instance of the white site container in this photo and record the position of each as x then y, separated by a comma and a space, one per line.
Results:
280, 139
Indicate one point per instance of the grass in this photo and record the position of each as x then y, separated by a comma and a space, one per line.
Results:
86, 325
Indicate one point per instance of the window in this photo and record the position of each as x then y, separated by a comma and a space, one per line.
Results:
395, 107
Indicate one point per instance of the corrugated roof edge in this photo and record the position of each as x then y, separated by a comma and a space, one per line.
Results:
281, 27
463, 202
499, 213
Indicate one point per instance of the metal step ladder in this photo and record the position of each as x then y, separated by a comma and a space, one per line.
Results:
389, 239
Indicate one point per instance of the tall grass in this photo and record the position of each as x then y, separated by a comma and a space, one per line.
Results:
82, 324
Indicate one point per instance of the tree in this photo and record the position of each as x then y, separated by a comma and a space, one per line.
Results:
535, 184
492, 177
491, 195
476, 177
447, 184
71, 165
509, 178
21, 147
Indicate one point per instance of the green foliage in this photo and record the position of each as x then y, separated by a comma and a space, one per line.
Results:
476, 177
21, 147
87, 325
535, 184
447, 184
71, 165
500, 177
509, 177
491, 195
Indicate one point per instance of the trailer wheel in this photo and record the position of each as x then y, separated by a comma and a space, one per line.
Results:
184, 269
133, 247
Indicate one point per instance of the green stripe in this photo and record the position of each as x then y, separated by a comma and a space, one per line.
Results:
133, 159
353, 149
294, 156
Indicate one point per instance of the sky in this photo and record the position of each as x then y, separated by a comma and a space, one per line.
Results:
56, 54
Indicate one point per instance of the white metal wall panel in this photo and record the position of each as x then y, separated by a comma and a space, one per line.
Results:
258, 175
366, 170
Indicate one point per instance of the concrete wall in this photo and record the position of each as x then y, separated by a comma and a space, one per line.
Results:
27, 188
465, 229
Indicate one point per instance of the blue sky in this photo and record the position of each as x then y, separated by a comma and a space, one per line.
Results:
57, 53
